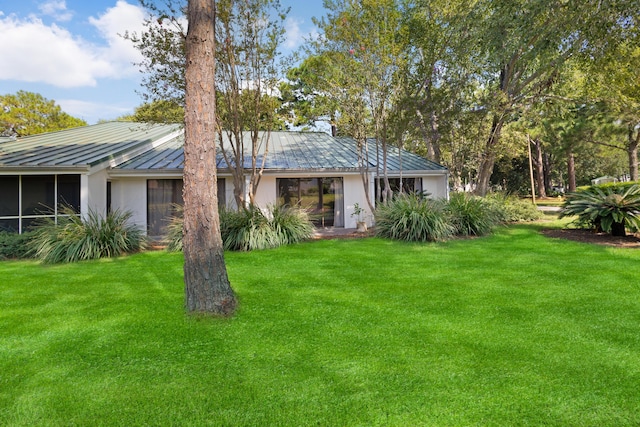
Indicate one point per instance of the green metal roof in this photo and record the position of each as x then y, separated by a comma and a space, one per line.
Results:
81, 147
287, 151
159, 148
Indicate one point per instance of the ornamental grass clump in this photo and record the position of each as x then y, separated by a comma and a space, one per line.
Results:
414, 218
472, 215
173, 239
246, 230
250, 229
75, 238
291, 224
611, 209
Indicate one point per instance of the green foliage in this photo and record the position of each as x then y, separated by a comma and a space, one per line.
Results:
160, 111
250, 229
609, 208
413, 218
28, 113
511, 209
173, 239
515, 329
472, 215
76, 239
291, 224
14, 245
416, 218
247, 229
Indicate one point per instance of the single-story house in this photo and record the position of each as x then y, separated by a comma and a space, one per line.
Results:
138, 167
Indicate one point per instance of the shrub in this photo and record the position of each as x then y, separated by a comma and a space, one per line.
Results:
608, 208
173, 239
413, 218
76, 239
14, 245
292, 225
250, 229
509, 209
472, 215
247, 229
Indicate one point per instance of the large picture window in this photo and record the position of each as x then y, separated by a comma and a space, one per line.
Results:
323, 198
25, 199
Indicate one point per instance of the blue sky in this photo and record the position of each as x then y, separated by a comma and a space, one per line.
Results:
70, 51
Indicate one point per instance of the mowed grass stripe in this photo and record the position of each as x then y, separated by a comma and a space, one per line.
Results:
510, 329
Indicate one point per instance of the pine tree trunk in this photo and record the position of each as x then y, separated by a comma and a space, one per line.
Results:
539, 163
571, 171
207, 287
632, 152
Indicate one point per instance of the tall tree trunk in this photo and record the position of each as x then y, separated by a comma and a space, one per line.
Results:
207, 287
571, 171
488, 160
632, 152
539, 163
434, 153
546, 169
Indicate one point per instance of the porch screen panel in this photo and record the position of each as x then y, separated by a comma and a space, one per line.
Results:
162, 197
9, 196
38, 194
69, 192
9, 203
27, 198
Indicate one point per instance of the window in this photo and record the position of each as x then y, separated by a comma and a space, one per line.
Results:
409, 186
24, 199
163, 196
323, 198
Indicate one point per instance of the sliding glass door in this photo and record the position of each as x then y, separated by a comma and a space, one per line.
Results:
323, 198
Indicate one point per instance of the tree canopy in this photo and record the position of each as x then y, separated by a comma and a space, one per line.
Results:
467, 83
27, 113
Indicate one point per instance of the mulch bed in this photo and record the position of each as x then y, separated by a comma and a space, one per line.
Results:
587, 236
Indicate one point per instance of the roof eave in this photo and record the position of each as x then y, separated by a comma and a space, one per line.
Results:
33, 170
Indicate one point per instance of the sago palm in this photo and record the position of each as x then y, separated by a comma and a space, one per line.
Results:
610, 209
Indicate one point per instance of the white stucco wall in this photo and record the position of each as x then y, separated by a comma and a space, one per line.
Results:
437, 186
97, 192
354, 193
267, 192
130, 194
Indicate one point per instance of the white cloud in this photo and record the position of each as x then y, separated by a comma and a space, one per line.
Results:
112, 25
92, 111
56, 9
294, 34
33, 51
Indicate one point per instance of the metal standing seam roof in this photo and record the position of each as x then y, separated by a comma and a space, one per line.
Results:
286, 151
88, 146
80, 147
406, 161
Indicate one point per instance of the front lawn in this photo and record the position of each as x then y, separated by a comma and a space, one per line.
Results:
511, 329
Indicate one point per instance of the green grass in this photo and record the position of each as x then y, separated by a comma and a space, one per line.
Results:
511, 329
